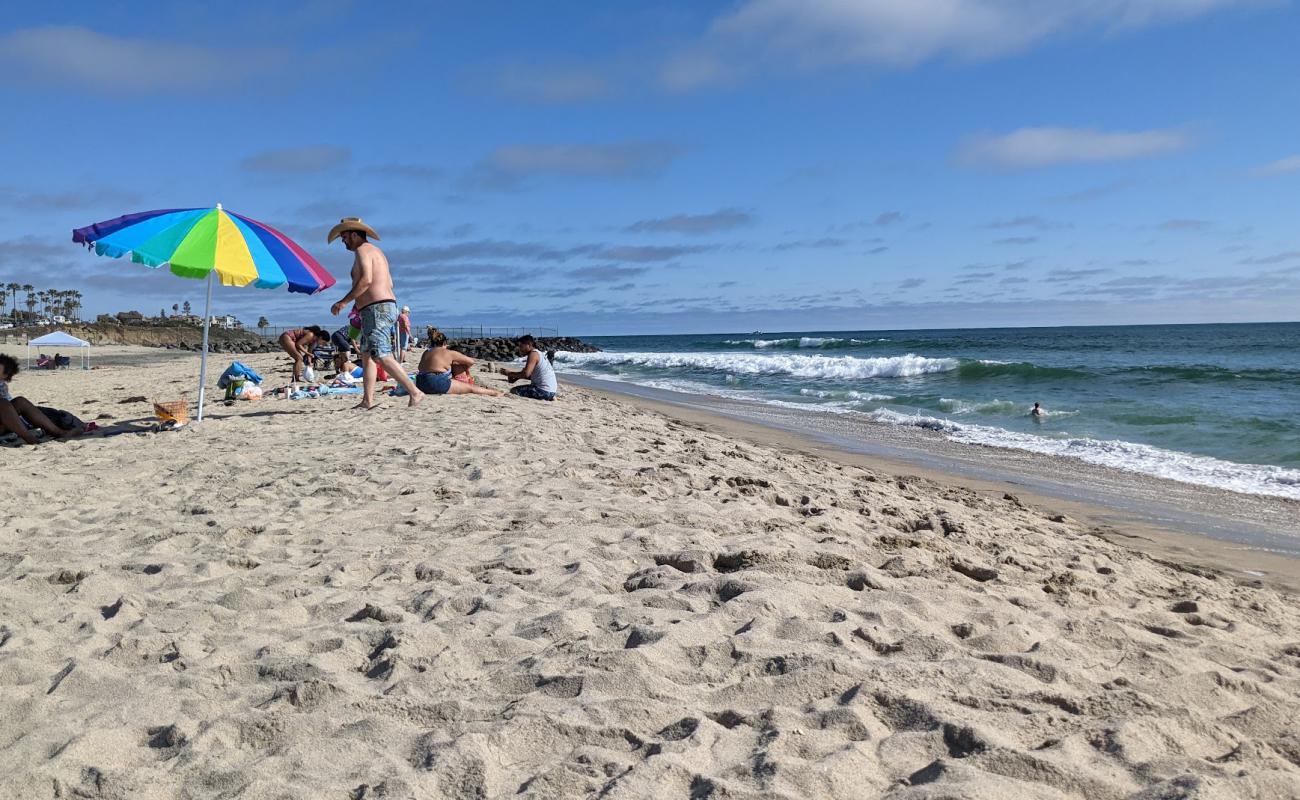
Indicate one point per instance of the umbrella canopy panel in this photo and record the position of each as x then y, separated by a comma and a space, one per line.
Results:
195, 242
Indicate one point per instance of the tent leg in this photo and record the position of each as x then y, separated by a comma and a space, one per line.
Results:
203, 363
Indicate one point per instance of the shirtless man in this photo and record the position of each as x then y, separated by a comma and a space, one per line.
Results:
372, 290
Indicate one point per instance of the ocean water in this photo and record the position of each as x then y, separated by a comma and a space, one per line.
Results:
1217, 405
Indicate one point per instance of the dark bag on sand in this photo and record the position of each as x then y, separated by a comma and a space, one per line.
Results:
63, 419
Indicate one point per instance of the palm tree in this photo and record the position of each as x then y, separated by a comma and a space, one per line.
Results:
263, 323
11, 289
176, 309
186, 306
30, 303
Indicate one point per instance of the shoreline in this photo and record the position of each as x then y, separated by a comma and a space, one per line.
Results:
1124, 508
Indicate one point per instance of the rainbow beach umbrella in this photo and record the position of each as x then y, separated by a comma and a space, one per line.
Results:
212, 244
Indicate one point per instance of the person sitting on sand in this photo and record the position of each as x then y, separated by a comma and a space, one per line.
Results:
437, 364
18, 415
299, 343
537, 371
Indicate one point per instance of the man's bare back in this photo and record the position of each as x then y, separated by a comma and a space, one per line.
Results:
370, 259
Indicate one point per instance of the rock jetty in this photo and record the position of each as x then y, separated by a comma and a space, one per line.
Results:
501, 349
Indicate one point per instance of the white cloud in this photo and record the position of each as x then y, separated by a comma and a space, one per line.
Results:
506, 167
78, 57
808, 34
694, 224
1194, 225
1029, 148
554, 84
310, 158
75, 56
1280, 167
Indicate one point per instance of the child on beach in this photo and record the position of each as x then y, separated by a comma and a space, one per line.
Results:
437, 365
537, 371
18, 415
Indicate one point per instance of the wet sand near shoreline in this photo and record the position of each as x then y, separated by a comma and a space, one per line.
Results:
489, 597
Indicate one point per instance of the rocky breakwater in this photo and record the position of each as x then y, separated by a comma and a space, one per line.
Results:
502, 349
237, 345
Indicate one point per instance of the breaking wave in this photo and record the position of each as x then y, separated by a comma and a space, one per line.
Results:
801, 342
799, 366
1128, 456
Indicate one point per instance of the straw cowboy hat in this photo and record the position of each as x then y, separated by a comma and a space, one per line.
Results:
351, 224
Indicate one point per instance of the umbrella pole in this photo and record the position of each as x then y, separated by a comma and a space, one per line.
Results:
203, 364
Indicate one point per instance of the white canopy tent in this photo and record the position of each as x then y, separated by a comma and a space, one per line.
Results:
60, 341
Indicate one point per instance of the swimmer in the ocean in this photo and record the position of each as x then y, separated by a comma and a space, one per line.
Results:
1037, 412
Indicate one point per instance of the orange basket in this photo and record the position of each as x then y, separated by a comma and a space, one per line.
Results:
173, 411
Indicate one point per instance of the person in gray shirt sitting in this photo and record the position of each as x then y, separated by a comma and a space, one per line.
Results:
537, 371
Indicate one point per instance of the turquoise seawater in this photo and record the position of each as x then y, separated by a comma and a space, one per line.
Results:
1217, 405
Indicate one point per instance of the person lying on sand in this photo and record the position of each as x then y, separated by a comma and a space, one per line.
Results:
16, 413
537, 371
437, 364
299, 343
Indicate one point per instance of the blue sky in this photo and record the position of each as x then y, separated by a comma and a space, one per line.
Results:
695, 166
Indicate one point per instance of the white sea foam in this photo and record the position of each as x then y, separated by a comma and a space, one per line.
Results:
998, 407
866, 397
801, 342
1128, 456
799, 366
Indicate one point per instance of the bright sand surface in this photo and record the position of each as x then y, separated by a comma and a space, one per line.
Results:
497, 597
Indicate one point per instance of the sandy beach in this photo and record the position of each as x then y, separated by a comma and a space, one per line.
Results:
591, 598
